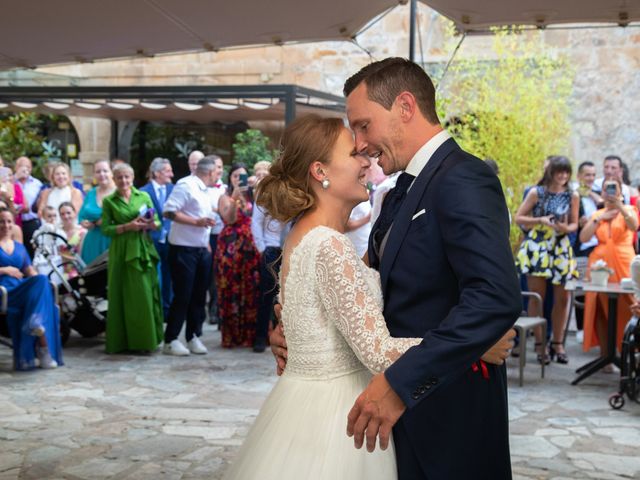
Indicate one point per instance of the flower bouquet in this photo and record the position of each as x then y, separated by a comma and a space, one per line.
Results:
600, 272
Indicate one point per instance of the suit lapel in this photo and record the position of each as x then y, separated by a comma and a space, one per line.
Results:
405, 214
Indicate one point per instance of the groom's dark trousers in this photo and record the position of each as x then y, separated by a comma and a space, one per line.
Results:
448, 275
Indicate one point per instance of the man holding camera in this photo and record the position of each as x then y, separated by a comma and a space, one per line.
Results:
190, 208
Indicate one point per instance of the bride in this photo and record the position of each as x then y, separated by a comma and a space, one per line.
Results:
332, 316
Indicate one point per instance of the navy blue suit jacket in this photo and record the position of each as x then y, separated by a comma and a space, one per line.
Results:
448, 275
166, 223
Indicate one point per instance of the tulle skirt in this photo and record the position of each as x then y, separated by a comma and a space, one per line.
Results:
301, 433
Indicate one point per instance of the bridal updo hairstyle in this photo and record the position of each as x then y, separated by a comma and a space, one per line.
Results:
286, 191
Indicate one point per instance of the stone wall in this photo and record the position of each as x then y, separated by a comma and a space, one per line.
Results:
605, 110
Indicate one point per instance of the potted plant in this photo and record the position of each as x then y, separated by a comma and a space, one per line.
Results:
600, 272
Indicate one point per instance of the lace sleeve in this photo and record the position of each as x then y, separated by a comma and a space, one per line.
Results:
355, 305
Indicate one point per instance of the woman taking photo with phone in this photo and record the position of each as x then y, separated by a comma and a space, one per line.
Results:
614, 226
549, 214
237, 259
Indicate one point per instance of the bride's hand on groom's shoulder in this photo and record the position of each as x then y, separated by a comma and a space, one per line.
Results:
278, 343
498, 353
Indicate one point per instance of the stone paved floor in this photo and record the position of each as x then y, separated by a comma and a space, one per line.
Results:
160, 417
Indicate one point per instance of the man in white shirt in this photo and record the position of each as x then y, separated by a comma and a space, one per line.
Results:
215, 192
268, 235
190, 210
159, 189
194, 158
31, 189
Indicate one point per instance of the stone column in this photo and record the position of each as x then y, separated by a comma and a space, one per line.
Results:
95, 141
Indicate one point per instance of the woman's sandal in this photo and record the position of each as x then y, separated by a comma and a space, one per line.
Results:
560, 357
541, 357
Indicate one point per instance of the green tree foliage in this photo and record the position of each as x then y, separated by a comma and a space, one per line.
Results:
512, 106
252, 146
19, 135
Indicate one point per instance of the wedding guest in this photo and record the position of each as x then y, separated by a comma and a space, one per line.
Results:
189, 208
237, 263
11, 194
268, 237
134, 318
614, 226
75, 235
16, 231
159, 189
549, 213
589, 201
90, 216
32, 318
613, 167
215, 192
61, 190
30, 188
48, 245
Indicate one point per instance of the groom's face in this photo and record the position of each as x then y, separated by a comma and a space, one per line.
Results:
378, 131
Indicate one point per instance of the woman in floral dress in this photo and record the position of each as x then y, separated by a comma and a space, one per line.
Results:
237, 262
549, 213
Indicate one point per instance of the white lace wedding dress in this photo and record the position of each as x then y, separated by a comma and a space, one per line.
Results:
332, 316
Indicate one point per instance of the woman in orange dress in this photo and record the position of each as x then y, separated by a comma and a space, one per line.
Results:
614, 226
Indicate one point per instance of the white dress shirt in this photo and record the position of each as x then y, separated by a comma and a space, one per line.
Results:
267, 232
215, 193
31, 189
191, 198
360, 236
417, 164
422, 156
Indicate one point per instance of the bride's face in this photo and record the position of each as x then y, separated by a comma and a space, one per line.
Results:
347, 170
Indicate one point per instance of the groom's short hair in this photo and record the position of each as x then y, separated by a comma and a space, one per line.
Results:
388, 78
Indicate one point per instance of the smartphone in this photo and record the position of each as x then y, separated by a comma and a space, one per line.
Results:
244, 180
611, 188
148, 215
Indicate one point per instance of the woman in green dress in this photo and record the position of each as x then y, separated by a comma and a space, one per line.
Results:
134, 318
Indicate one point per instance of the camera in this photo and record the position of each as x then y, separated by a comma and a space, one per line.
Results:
611, 188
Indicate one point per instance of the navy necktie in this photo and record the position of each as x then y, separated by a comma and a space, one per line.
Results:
389, 210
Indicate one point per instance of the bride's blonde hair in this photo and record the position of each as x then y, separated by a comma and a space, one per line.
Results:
286, 191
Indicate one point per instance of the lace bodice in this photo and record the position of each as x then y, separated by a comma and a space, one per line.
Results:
332, 313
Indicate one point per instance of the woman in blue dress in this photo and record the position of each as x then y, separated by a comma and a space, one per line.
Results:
32, 317
90, 215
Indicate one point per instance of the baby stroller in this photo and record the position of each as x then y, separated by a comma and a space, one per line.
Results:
629, 366
83, 297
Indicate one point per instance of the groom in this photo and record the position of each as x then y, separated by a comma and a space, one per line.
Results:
442, 248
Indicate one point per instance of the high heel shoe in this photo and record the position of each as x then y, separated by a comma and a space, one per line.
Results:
560, 357
541, 357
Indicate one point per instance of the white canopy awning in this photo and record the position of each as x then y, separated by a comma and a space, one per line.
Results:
35, 33
480, 15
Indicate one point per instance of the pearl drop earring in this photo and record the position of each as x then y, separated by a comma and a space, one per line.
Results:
325, 183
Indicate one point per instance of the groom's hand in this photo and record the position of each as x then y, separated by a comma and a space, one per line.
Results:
501, 350
278, 343
376, 410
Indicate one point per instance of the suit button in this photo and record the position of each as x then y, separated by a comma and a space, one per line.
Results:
421, 389
433, 380
415, 396
427, 387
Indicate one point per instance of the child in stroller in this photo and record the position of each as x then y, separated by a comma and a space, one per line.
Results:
83, 296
